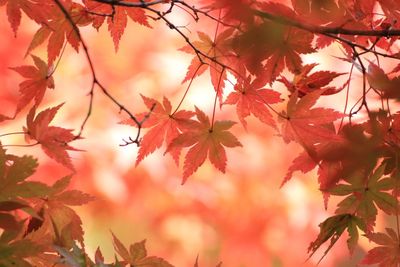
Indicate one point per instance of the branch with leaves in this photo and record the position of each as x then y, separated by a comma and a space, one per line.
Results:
253, 46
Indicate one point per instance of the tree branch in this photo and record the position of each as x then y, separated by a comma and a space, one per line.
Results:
130, 4
95, 80
324, 29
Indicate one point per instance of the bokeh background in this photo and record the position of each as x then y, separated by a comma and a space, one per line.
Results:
241, 218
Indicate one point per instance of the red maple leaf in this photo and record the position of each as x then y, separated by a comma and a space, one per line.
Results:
205, 140
117, 18
279, 45
216, 52
388, 253
356, 149
287, 53
57, 28
390, 8
307, 125
34, 87
165, 126
233, 10
250, 97
53, 140
303, 163
380, 81
14, 13
320, 12
304, 82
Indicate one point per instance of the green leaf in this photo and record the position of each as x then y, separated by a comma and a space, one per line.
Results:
365, 193
332, 228
15, 170
30, 189
61, 184
19, 249
22, 168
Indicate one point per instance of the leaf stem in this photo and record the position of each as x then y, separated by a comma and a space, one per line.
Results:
187, 89
37, 143
215, 99
347, 97
13, 133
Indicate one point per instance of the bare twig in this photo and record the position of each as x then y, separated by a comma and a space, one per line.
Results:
95, 80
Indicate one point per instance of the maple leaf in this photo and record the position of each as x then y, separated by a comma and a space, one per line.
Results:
305, 83
117, 18
356, 151
205, 140
379, 80
65, 223
137, 255
390, 8
53, 140
320, 12
217, 52
365, 193
233, 10
251, 98
165, 126
307, 125
387, 254
57, 218
332, 228
57, 28
13, 173
303, 163
34, 87
14, 14
278, 44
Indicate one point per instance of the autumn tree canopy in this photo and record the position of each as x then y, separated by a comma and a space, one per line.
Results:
262, 59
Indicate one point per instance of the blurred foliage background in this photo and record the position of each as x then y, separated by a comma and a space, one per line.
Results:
241, 218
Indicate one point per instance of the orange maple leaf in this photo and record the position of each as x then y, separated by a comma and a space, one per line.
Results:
57, 218
117, 18
205, 140
216, 51
14, 13
53, 140
251, 98
280, 46
165, 126
304, 82
57, 28
137, 254
307, 125
34, 87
